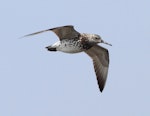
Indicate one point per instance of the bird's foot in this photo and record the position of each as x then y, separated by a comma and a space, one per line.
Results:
49, 48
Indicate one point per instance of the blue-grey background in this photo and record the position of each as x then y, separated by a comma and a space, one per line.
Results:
35, 82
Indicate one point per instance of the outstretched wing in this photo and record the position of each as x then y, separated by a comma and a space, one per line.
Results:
36, 33
63, 32
100, 58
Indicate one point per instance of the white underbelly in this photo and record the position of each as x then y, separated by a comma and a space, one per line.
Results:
68, 47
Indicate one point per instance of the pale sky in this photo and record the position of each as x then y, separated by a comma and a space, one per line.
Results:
35, 82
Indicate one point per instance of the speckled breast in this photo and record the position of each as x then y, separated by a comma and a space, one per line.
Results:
70, 46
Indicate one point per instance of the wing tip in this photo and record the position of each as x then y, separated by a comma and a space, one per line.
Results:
101, 85
101, 88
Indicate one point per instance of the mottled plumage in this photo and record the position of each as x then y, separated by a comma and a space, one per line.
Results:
72, 41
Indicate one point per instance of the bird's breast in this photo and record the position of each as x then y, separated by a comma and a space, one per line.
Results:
70, 46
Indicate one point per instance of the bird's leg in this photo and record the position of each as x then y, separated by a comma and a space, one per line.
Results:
50, 48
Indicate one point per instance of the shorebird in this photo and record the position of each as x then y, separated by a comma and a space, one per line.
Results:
71, 41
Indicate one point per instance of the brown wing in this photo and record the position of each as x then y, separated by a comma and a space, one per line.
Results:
63, 32
100, 58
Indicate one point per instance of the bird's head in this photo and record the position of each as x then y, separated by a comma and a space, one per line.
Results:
95, 39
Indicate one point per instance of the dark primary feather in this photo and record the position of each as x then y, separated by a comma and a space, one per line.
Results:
63, 32
36, 33
100, 58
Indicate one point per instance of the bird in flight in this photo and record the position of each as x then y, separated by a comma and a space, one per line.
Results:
71, 41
